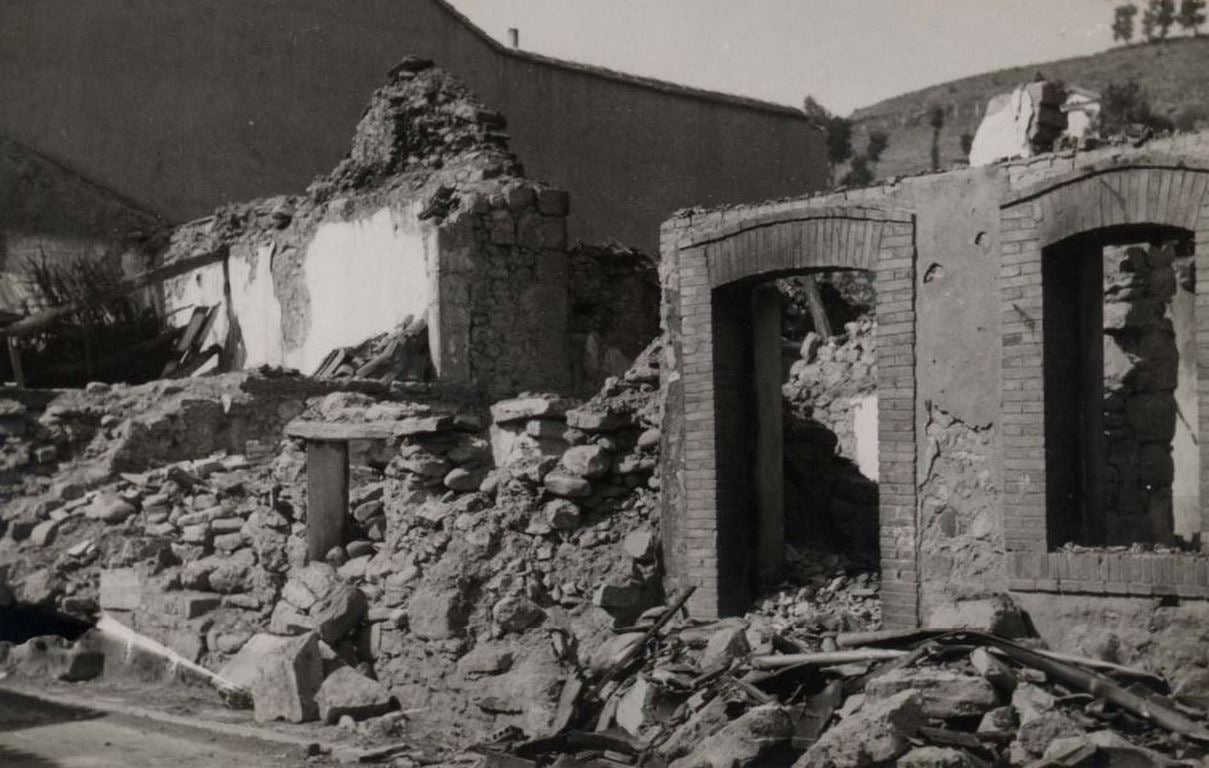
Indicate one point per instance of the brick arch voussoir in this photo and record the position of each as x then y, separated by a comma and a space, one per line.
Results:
1119, 196
830, 241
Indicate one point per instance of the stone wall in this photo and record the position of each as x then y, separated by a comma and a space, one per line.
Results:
428, 217
1141, 364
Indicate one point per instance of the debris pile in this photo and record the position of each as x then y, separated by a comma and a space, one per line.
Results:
740, 692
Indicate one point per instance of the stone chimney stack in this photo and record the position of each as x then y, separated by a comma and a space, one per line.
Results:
514, 37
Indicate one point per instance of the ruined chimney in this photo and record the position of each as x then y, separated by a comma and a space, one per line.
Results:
514, 37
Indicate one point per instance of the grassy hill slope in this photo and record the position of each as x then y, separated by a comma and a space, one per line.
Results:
1175, 75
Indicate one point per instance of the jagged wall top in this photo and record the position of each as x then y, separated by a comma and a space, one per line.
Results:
423, 118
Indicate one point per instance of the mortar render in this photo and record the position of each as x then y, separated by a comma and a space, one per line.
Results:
363, 277
355, 279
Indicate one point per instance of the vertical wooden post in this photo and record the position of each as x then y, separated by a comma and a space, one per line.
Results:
14, 359
327, 496
769, 472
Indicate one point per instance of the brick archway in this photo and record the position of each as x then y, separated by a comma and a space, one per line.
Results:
705, 259
1150, 193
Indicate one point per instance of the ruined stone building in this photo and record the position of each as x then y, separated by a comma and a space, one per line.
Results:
1040, 349
180, 107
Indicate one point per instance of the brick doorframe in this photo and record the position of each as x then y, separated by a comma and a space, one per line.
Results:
703, 495
1156, 193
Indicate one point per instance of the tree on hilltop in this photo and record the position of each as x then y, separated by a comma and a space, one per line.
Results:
1122, 22
1158, 18
1191, 16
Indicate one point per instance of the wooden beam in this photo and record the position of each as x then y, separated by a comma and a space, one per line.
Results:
814, 300
42, 320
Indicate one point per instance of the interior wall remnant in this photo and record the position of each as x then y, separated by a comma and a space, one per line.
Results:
1140, 375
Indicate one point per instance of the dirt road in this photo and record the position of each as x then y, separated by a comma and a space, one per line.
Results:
36, 734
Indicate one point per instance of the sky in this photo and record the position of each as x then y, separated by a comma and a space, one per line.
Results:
845, 53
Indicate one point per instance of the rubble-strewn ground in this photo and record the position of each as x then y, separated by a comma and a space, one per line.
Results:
499, 585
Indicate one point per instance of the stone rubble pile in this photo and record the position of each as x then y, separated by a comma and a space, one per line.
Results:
742, 693
831, 501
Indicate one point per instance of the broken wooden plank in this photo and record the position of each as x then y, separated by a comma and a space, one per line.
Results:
814, 301
826, 658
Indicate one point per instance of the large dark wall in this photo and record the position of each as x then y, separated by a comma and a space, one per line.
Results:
181, 105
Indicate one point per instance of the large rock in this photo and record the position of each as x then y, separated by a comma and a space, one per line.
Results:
337, 614
1112, 750
590, 461
725, 645
291, 671
707, 720
348, 692
54, 658
935, 757
516, 613
436, 614
744, 742
525, 408
943, 693
567, 485
876, 733
109, 508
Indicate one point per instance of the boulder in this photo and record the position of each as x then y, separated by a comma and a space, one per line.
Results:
291, 671
612, 651
876, 733
595, 421
463, 480
525, 408
744, 742
109, 508
590, 461
436, 614
707, 720
56, 658
994, 670
567, 485
43, 534
486, 660
641, 545
337, 614
1111, 749
725, 645
516, 614
1037, 733
943, 693
348, 693
561, 514
935, 757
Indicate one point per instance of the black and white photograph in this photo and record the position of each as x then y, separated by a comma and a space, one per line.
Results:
604, 383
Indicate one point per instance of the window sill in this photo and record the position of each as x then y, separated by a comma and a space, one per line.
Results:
1104, 572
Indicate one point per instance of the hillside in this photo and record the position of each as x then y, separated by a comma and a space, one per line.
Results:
1175, 75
